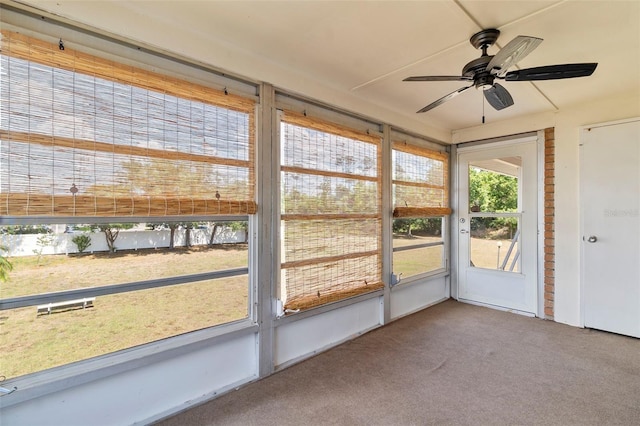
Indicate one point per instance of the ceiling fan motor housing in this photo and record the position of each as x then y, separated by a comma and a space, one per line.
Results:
477, 69
484, 38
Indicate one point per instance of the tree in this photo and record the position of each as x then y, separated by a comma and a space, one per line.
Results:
111, 232
25, 229
43, 241
188, 227
5, 265
429, 226
493, 192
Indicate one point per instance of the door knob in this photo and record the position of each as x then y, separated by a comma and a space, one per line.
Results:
592, 239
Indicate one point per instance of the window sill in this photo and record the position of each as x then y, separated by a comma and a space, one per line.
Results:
326, 308
420, 278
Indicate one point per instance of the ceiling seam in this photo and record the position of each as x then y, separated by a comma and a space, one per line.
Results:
426, 58
524, 18
397, 70
532, 14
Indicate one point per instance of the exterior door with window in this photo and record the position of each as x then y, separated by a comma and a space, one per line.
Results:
497, 225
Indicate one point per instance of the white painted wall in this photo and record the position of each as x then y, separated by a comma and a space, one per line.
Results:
409, 298
567, 125
302, 338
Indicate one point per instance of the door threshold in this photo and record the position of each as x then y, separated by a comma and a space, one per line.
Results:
499, 308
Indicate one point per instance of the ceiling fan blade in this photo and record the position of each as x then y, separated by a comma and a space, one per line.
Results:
498, 97
438, 78
443, 99
552, 72
509, 55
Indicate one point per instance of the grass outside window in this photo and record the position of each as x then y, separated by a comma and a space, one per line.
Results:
33, 342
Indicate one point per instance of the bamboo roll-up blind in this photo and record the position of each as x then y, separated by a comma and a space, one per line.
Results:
330, 211
84, 136
420, 182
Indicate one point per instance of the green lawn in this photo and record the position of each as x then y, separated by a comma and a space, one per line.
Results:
416, 261
32, 343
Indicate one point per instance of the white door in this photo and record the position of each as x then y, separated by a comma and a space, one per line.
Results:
610, 188
497, 225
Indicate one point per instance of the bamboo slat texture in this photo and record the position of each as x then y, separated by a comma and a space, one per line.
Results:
420, 182
85, 136
94, 206
418, 212
331, 212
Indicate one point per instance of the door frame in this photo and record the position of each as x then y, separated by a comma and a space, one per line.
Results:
455, 223
583, 130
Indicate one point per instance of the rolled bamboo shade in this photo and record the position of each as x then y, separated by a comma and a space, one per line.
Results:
330, 211
420, 182
84, 136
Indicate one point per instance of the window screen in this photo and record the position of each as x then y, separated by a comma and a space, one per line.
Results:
330, 212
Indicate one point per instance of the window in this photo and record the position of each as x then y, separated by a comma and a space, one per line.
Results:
330, 212
420, 197
125, 196
494, 191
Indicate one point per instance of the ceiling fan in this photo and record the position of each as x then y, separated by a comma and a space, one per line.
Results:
482, 72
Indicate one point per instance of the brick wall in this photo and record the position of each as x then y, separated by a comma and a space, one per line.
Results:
549, 225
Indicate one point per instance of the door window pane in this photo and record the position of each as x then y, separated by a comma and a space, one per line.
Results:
494, 243
493, 185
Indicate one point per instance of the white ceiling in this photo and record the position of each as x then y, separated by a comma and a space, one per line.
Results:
354, 54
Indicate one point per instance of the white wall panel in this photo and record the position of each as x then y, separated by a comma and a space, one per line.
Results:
406, 299
145, 393
301, 339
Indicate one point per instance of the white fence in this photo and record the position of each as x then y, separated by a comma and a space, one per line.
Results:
27, 244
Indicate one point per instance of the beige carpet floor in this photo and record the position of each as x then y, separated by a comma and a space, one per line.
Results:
451, 364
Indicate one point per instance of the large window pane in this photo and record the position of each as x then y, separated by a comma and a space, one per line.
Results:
46, 259
32, 342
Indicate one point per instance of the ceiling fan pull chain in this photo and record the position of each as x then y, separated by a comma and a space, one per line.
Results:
482, 108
